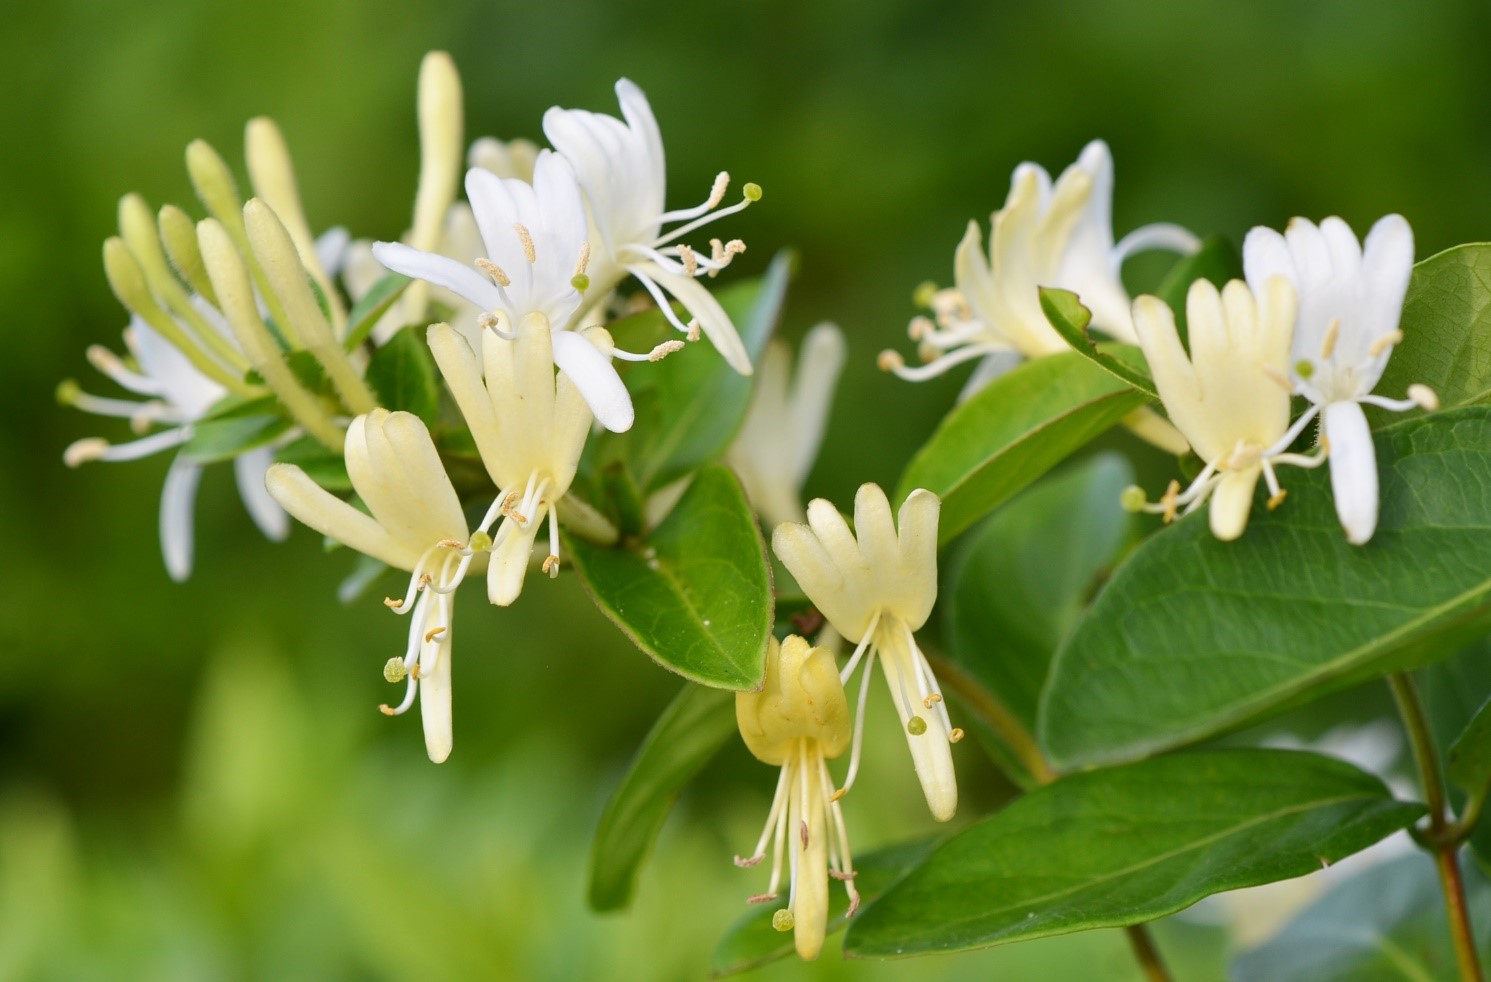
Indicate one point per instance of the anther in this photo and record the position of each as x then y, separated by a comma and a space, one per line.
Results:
393, 603
932, 700
387, 710
748, 863
955, 735
1385, 342
783, 921
841, 875
664, 350
718, 189
1424, 396
1132, 499
583, 262
838, 794
1169, 501
916, 726
761, 898
1279, 378
480, 541
524, 237
495, 272
1328, 343
551, 566
450, 544
1277, 499
889, 361
695, 331
803, 831
690, 263
752, 191
433, 633
920, 328
415, 672
84, 450
394, 670
924, 293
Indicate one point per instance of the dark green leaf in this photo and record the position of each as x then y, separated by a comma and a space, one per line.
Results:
691, 730
1012, 431
1469, 760
402, 373
306, 369
1386, 924
373, 305
224, 438
696, 595
1020, 579
1217, 261
752, 942
1192, 635
1453, 691
322, 465
1446, 329
1070, 318
1129, 844
620, 488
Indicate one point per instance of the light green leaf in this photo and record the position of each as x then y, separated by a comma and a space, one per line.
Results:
402, 373
696, 595
1019, 580
1192, 635
1446, 327
1070, 318
1386, 923
752, 942
1012, 431
226, 437
370, 309
1129, 844
691, 730
1217, 261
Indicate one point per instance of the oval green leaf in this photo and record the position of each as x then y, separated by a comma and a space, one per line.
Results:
402, 372
1192, 636
696, 595
1446, 327
1130, 844
1012, 431
1070, 319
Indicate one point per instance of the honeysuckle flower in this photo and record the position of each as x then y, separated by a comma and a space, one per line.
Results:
417, 525
620, 165
784, 425
529, 425
876, 587
1046, 235
175, 395
1350, 299
799, 721
1228, 396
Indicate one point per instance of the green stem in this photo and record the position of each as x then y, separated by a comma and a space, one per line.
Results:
1437, 840
1147, 954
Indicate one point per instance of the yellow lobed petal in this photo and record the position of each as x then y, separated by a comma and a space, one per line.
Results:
800, 699
316, 507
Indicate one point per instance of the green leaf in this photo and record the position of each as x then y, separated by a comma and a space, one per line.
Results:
752, 942
1217, 261
1454, 690
402, 373
696, 595
1012, 431
322, 465
373, 305
230, 406
1446, 327
1468, 764
1019, 580
1192, 636
1070, 318
1129, 844
700, 399
1385, 923
226, 437
691, 730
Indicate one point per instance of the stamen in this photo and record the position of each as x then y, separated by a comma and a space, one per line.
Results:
803, 831
1168, 502
664, 350
583, 262
761, 898
494, 271
433, 633
748, 863
1385, 342
690, 264
1328, 343
920, 328
113, 366
695, 331
1277, 499
932, 700
392, 603
955, 735
551, 566
891, 361
527, 239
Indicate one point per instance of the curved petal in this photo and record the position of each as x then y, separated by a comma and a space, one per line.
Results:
434, 691
249, 469
1353, 463
707, 310
177, 501
596, 379
456, 277
331, 516
509, 563
1232, 502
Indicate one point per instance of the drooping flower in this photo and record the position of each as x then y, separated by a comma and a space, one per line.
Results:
799, 721
621, 167
175, 396
1046, 235
876, 586
529, 425
784, 425
1228, 396
417, 525
1350, 299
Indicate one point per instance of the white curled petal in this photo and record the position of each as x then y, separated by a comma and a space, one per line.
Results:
596, 379
1266, 255
1353, 463
249, 470
442, 271
434, 697
1387, 264
712, 318
177, 501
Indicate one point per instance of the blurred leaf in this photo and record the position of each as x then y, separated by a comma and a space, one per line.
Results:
700, 400
1453, 691
322, 465
402, 373
1192, 635
696, 595
365, 572
752, 942
1469, 761
366, 313
1066, 313
304, 366
1021, 578
1012, 431
1217, 261
231, 406
213, 440
1386, 923
1446, 329
691, 731
620, 489
1129, 844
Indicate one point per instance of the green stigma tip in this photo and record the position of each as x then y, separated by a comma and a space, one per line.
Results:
916, 726
480, 542
395, 671
1304, 368
67, 392
924, 293
752, 191
580, 282
1132, 498
783, 920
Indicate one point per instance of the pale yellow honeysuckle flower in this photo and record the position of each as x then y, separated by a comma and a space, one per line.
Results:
417, 525
529, 424
798, 721
1229, 395
876, 586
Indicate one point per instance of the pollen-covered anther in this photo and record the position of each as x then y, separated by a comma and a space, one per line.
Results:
551, 566
1426, 397
838, 794
932, 700
82, 451
695, 331
665, 349
414, 672
583, 262
1278, 499
928, 352
1169, 502
526, 238
387, 710
434, 633
843, 876
1385, 342
1279, 378
718, 189
395, 670
1328, 343
497, 274
451, 544
761, 898
920, 328
889, 361
955, 735
393, 603
748, 861
690, 261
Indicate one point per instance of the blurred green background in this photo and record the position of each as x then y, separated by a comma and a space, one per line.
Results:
195, 782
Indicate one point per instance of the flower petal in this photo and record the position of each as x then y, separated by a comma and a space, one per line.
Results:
434, 692
1353, 463
177, 502
712, 318
509, 563
441, 271
596, 379
1232, 502
249, 469
331, 516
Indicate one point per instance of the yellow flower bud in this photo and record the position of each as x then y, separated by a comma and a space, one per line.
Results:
801, 698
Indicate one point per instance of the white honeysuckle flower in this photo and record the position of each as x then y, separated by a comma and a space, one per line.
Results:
799, 721
621, 167
175, 396
537, 250
876, 587
505, 158
1350, 299
529, 426
1228, 396
417, 525
784, 425
1046, 235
